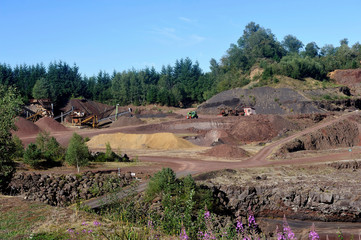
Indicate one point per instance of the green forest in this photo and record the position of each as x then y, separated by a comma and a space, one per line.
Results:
184, 83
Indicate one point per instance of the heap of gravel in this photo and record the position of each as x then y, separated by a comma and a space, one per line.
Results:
50, 125
265, 100
126, 121
162, 141
226, 151
25, 127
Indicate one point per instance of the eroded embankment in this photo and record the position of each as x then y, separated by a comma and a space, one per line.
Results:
319, 193
344, 133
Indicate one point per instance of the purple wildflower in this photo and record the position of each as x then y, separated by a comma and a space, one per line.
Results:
251, 220
183, 235
150, 224
207, 215
84, 231
70, 230
84, 224
239, 227
96, 223
313, 235
90, 231
279, 234
287, 230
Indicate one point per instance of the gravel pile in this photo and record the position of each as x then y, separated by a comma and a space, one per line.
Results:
25, 128
50, 125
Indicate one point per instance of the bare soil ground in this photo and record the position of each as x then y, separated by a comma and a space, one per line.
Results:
256, 137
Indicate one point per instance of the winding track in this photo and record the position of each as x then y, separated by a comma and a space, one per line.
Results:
193, 166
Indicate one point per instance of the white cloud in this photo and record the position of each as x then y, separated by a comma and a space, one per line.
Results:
169, 33
196, 38
171, 36
184, 19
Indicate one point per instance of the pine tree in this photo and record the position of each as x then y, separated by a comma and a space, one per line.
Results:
77, 153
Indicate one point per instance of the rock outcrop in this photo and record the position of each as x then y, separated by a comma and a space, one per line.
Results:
341, 134
348, 77
318, 193
66, 189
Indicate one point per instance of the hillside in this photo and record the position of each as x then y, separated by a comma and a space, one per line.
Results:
265, 100
285, 95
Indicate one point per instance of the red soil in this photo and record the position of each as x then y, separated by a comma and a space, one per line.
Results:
25, 128
126, 121
50, 125
226, 151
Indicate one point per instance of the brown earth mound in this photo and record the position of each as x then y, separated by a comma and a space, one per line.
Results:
25, 127
126, 121
260, 128
341, 134
50, 125
226, 151
348, 77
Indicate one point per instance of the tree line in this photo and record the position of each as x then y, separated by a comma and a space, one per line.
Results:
178, 85
184, 83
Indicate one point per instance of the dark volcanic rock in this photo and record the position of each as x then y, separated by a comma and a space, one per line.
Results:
297, 193
64, 190
265, 100
341, 134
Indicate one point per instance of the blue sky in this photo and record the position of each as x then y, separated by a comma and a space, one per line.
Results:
121, 34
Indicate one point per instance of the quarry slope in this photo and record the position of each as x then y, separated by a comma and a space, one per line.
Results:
265, 100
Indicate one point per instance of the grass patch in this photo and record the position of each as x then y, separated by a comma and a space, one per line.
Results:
18, 221
117, 164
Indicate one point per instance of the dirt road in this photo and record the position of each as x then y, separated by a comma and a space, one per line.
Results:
193, 166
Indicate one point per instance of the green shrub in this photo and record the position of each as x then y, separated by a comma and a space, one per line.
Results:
108, 150
50, 147
162, 181
181, 201
77, 153
18, 147
33, 156
109, 156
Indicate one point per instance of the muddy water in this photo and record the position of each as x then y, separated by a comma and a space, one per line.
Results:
302, 228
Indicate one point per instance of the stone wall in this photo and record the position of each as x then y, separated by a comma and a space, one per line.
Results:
66, 189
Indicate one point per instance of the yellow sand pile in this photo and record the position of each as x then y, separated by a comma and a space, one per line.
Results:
140, 141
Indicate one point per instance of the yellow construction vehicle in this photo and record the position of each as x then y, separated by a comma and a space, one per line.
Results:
90, 118
35, 116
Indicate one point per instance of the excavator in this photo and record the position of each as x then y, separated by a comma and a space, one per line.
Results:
191, 115
227, 111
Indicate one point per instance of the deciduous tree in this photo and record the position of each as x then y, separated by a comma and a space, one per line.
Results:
77, 153
9, 107
292, 44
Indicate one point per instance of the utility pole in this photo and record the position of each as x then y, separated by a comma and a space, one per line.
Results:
116, 112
